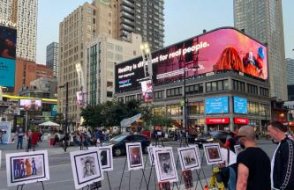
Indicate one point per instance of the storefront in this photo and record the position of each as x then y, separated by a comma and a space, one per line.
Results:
214, 124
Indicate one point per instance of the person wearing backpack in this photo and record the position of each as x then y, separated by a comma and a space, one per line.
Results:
282, 165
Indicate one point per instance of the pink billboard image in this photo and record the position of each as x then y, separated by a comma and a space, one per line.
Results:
217, 51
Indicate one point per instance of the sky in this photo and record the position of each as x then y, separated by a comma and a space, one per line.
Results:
183, 19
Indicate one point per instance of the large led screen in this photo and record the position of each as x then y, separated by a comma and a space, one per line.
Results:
240, 105
7, 56
220, 50
217, 105
30, 105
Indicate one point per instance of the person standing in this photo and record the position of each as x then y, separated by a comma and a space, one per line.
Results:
282, 167
253, 163
20, 134
29, 144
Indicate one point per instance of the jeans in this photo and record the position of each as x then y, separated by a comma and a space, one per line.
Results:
19, 142
232, 179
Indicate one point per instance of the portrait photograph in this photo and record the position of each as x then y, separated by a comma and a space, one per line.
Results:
237, 149
164, 186
165, 165
106, 158
27, 167
189, 158
212, 153
188, 179
86, 167
134, 156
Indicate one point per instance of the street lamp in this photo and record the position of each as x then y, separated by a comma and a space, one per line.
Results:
185, 114
66, 106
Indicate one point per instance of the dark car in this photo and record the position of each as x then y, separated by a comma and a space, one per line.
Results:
211, 136
119, 143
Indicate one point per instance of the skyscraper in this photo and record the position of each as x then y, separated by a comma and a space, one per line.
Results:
143, 17
24, 14
52, 57
263, 20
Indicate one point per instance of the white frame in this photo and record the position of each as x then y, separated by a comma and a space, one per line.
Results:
237, 149
76, 158
0, 158
150, 155
41, 162
109, 165
194, 152
131, 166
212, 161
173, 176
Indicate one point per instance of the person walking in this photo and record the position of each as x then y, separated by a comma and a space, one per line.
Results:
20, 134
282, 166
253, 163
29, 142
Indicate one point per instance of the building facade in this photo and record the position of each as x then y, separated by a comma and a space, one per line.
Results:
212, 73
101, 56
263, 20
24, 14
145, 17
52, 57
290, 78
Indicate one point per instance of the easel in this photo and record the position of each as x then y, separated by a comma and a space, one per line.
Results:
122, 176
20, 187
198, 174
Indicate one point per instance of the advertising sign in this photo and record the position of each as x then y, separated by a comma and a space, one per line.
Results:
242, 121
240, 105
215, 121
147, 90
7, 56
220, 50
217, 105
30, 105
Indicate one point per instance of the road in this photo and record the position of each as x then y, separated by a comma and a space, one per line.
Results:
61, 173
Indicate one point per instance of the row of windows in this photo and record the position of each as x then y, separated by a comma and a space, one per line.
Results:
251, 89
217, 85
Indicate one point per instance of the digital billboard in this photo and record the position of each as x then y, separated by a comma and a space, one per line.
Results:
240, 105
7, 56
219, 50
30, 105
216, 105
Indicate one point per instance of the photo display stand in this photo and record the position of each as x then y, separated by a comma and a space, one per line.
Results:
106, 157
134, 160
20, 187
199, 171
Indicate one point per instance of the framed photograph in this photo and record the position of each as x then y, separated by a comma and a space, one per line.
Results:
238, 149
165, 165
189, 158
27, 167
86, 167
134, 156
164, 186
106, 157
187, 178
212, 153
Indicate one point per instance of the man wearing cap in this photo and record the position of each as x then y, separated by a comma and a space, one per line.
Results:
253, 163
282, 167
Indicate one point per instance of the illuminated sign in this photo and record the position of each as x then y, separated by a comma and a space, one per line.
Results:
220, 50
242, 121
7, 72
215, 121
217, 105
240, 105
30, 105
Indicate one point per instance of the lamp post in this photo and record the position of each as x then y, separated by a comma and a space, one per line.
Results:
66, 106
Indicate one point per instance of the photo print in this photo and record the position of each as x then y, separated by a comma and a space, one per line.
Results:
27, 167
134, 156
164, 186
86, 167
212, 153
237, 149
189, 158
188, 179
106, 157
165, 165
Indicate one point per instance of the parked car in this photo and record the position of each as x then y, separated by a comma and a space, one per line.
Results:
119, 143
211, 136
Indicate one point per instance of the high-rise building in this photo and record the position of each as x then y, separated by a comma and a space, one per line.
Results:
52, 57
263, 20
102, 55
75, 31
144, 17
24, 14
290, 78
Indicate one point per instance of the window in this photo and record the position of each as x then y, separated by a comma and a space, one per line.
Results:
238, 86
196, 108
174, 92
174, 110
264, 92
158, 95
109, 84
217, 85
252, 89
194, 89
109, 94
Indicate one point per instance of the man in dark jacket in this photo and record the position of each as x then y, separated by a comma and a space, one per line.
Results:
282, 173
